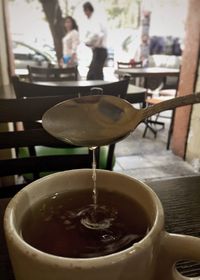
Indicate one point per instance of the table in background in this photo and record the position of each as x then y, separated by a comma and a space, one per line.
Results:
81, 83
149, 72
153, 72
181, 201
133, 93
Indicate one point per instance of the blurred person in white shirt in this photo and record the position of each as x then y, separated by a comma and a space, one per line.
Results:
95, 38
70, 42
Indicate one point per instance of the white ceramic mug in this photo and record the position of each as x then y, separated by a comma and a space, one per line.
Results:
152, 258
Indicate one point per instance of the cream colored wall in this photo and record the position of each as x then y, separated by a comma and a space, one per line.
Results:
193, 143
4, 80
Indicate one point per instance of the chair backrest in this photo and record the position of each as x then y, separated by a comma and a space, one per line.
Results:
27, 89
52, 74
127, 65
30, 110
118, 88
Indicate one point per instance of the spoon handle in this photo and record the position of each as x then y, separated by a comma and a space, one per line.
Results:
171, 104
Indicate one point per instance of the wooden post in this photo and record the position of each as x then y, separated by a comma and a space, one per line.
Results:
190, 61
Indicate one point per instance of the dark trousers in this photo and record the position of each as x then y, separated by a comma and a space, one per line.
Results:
96, 66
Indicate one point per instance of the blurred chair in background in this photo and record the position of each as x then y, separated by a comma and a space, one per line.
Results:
32, 166
27, 90
52, 73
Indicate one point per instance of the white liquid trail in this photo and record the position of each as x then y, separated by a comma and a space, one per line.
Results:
94, 177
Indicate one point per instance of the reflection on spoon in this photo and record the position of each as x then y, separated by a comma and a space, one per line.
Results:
100, 120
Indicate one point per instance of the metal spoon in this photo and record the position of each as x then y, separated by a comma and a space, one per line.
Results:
101, 119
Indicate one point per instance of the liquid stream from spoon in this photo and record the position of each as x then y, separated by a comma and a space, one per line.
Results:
94, 177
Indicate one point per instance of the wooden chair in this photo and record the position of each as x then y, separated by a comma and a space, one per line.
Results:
170, 86
128, 65
132, 81
121, 65
27, 89
30, 110
52, 74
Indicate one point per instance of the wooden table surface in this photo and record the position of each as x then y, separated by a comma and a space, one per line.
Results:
81, 83
180, 198
181, 202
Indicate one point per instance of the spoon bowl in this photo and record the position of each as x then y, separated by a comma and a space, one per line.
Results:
99, 120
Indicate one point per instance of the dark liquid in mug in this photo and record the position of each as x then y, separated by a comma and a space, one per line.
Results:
68, 225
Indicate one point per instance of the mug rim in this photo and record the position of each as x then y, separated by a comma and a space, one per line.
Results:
25, 247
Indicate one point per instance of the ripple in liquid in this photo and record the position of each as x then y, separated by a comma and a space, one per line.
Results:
69, 225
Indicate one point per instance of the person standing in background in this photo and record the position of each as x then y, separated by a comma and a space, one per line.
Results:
95, 38
70, 42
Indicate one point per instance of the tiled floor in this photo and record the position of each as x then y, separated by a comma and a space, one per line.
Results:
147, 158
